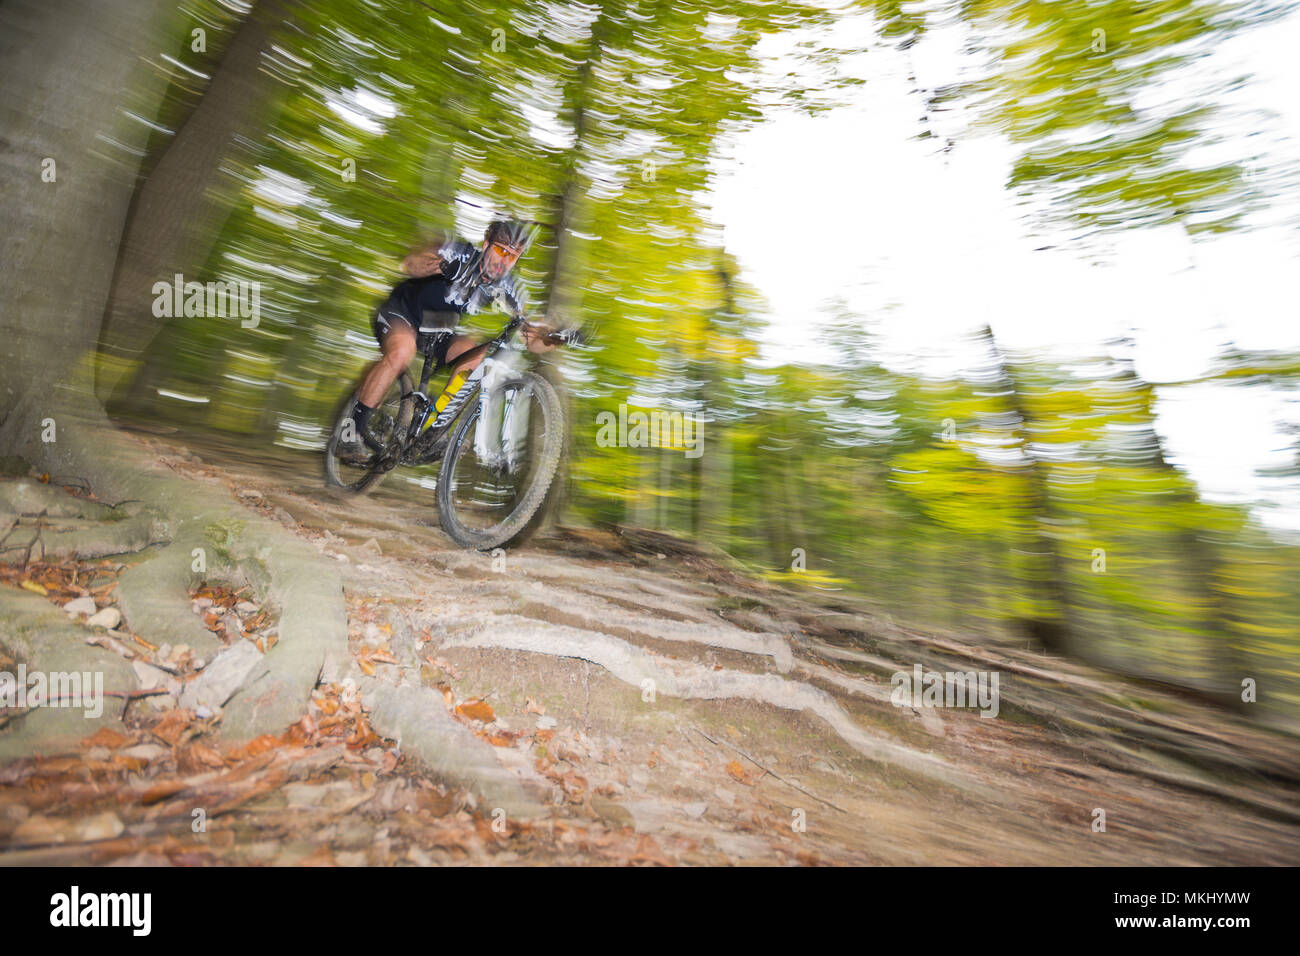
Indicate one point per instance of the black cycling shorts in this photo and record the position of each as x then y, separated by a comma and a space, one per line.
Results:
385, 318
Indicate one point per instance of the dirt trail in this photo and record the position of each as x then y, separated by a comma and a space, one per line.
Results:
665, 707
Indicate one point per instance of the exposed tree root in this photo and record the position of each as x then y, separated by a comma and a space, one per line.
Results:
634, 666
35, 632
416, 718
154, 597
191, 514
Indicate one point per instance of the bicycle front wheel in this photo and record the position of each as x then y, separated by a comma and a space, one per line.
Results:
492, 502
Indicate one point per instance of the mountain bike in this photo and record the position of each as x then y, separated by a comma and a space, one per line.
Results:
488, 446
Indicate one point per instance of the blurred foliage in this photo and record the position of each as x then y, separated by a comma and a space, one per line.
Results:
1020, 498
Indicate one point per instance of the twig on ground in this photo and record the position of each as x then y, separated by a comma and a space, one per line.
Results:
788, 783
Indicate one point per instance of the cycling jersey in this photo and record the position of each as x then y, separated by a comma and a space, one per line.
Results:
459, 288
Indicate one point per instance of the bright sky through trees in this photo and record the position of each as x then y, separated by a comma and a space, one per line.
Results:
928, 245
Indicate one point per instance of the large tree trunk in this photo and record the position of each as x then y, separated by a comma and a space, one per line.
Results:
69, 70
177, 213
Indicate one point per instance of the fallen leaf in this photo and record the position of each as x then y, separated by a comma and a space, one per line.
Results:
258, 745
197, 757
32, 586
477, 710
737, 772
105, 737
532, 707
173, 726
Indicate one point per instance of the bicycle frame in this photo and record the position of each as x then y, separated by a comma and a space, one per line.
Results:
425, 407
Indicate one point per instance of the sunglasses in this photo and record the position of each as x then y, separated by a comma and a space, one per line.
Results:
507, 252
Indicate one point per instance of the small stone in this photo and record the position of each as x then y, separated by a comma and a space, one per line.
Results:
98, 753
203, 602
144, 752
109, 618
695, 810
225, 675
546, 723
148, 675
164, 652
103, 826
246, 607
179, 651
81, 605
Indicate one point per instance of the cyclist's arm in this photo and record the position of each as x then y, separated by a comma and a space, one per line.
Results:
432, 257
420, 265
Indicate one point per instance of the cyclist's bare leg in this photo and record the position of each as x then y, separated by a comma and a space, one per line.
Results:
459, 346
398, 349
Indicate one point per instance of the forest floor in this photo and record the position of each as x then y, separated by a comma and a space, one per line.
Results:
664, 706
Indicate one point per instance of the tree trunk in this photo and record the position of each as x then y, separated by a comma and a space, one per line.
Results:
177, 212
1053, 628
561, 276
68, 70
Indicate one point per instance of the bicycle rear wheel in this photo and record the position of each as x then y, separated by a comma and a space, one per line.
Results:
494, 503
388, 422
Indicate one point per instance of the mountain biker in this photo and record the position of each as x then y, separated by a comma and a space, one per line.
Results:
449, 279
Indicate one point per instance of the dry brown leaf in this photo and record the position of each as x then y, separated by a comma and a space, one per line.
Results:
173, 725
105, 737
197, 757
532, 707
258, 745
737, 772
477, 710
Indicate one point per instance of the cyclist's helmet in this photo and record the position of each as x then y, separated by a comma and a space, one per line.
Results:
511, 232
